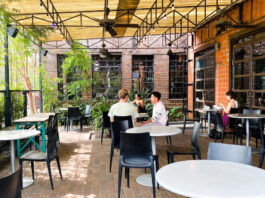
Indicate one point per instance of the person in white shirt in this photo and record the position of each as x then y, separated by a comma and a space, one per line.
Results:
123, 108
159, 116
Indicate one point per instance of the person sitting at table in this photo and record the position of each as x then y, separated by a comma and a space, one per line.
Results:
139, 103
232, 103
159, 116
123, 108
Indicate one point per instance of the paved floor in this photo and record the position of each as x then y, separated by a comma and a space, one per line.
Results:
85, 168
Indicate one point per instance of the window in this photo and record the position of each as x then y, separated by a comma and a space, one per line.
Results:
178, 76
142, 73
205, 78
248, 70
107, 76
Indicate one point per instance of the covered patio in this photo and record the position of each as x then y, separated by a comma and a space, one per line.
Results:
64, 62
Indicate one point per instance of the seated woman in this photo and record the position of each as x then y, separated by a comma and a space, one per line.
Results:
232, 104
139, 103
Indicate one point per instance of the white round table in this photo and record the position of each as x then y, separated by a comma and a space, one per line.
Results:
155, 131
207, 112
247, 117
212, 179
12, 135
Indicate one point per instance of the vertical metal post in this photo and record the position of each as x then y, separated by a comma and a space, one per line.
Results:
7, 92
40, 80
25, 103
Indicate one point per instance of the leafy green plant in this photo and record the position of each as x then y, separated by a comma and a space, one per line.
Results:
175, 114
17, 105
76, 67
98, 106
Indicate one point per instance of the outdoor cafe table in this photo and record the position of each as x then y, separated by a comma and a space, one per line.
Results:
212, 179
155, 131
12, 135
247, 117
34, 119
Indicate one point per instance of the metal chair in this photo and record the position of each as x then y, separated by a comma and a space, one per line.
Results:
186, 119
74, 114
39, 156
10, 186
229, 152
121, 118
105, 123
193, 150
136, 152
87, 112
168, 138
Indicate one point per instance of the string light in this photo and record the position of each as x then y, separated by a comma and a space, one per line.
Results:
53, 24
173, 7
165, 17
154, 29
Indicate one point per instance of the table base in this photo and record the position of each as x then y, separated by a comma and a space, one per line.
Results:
27, 182
145, 180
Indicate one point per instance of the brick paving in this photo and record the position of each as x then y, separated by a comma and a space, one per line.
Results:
85, 168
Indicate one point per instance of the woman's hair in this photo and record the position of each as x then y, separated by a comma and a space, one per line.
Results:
231, 94
138, 95
156, 94
123, 93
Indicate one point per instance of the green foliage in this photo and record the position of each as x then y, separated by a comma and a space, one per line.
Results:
77, 64
98, 106
17, 105
50, 92
175, 114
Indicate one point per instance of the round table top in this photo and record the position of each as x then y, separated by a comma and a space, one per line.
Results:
246, 116
212, 179
17, 134
156, 130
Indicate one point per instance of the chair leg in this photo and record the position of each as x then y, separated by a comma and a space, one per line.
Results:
50, 173
170, 141
261, 158
184, 127
119, 182
111, 155
128, 177
168, 157
59, 166
102, 133
153, 180
172, 158
32, 169
193, 156
21, 173
167, 139
81, 125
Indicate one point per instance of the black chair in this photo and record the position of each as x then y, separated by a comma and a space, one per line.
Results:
116, 129
229, 152
186, 119
52, 153
10, 186
87, 113
74, 114
220, 128
55, 125
136, 152
121, 118
168, 138
105, 123
193, 150
262, 137
253, 123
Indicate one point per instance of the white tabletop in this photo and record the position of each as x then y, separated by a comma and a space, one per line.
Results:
212, 179
156, 130
17, 134
37, 117
202, 110
246, 116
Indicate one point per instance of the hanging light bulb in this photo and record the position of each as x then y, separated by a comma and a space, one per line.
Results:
57, 30
173, 7
41, 5
154, 29
165, 17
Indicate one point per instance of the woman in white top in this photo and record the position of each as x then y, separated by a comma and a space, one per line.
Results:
232, 103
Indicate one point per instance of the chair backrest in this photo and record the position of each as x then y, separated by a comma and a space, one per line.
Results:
167, 118
135, 145
229, 152
251, 121
116, 129
55, 122
10, 186
120, 118
262, 135
233, 122
50, 123
51, 144
219, 121
74, 113
195, 136
88, 110
105, 119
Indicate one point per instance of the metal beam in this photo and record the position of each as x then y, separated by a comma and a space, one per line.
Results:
56, 18
40, 79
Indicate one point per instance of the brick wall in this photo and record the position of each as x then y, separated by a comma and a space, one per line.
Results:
253, 13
